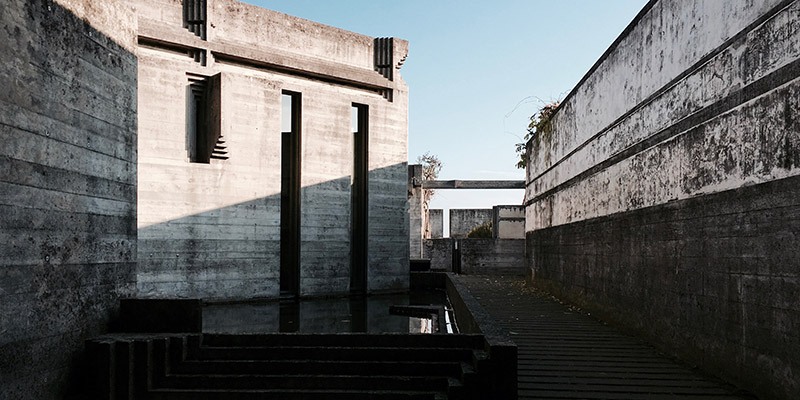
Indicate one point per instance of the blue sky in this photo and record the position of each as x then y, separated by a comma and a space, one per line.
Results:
477, 70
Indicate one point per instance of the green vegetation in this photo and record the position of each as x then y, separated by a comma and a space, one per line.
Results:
483, 230
540, 125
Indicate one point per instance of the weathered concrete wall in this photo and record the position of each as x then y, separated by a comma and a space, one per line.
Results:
666, 196
493, 257
462, 221
478, 256
67, 185
416, 211
508, 222
213, 230
440, 252
436, 219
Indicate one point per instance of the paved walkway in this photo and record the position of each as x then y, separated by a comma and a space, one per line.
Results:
564, 354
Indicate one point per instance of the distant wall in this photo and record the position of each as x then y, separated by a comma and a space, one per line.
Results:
462, 221
479, 256
508, 222
436, 218
213, 230
493, 257
666, 197
67, 186
440, 252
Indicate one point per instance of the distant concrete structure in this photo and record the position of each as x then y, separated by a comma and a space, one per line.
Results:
508, 222
473, 184
666, 197
436, 220
257, 129
463, 221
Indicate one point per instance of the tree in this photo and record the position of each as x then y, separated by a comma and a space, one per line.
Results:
540, 125
431, 166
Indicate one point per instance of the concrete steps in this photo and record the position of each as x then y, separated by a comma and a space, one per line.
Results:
287, 366
171, 394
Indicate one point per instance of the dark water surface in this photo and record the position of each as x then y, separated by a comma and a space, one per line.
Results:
329, 315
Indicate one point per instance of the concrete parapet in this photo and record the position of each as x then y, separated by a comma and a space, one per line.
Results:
665, 197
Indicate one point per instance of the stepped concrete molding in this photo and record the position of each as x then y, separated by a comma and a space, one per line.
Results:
666, 198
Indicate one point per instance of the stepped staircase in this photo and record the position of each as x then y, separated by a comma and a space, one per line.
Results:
289, 366
220, 149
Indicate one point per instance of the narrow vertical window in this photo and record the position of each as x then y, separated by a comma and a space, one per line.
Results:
203, 122
290, 194
359, 199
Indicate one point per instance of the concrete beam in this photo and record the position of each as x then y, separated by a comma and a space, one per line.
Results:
459, 184
157, 35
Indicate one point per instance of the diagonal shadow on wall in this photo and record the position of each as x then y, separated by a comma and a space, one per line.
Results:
233, 252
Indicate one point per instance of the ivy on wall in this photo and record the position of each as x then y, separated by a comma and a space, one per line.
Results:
539, 126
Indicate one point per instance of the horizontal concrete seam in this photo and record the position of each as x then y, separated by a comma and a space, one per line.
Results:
660, 92
473, 184
675, 206
122, 202
121, 185
50, 117
65, 190
776, 79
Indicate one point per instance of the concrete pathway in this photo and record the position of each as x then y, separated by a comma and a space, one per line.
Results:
565, 354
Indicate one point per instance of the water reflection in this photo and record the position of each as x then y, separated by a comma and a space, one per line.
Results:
358, 314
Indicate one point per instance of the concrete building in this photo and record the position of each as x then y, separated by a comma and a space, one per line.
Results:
666, 197
246, 137
508, 222
165, 148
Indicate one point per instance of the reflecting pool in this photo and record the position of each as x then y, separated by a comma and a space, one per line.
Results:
416, 312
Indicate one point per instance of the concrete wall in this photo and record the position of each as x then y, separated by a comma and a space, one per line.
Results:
67, 186
440, 252
436, 219
666, 197
493, 257
416, 211
212, 230
462, 221
508, 222
478, 256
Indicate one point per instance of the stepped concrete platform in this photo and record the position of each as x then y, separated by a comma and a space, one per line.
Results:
566, 354
288, 366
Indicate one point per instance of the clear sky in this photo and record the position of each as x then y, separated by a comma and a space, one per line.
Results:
477, 70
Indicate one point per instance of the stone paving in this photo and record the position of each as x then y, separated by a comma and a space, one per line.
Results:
566, 354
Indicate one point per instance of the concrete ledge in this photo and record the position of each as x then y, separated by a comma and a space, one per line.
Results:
427, 280
420, 265
473, 184
471, 318
160, 316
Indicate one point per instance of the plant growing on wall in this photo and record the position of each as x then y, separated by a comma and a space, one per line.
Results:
540, 124
483, 230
